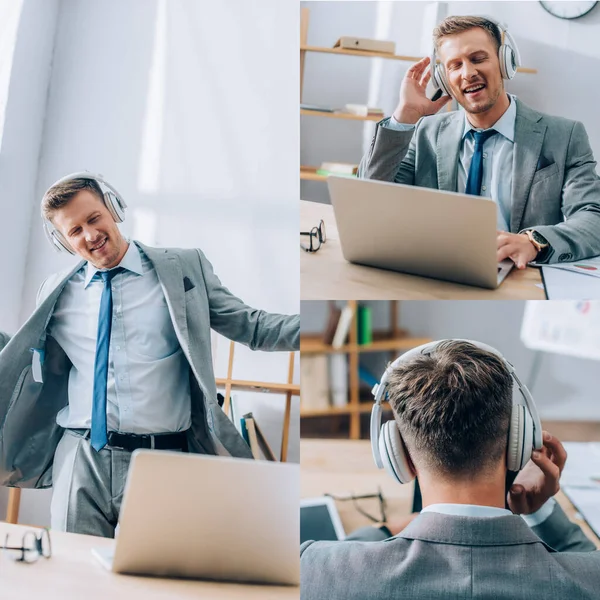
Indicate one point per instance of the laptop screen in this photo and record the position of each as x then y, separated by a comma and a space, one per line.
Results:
316, 524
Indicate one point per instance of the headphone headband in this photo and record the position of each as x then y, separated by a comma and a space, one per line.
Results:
380, 390
113, 201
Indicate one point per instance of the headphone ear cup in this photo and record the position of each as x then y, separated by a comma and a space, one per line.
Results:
114, 207
393, 453
442, 79
506, 57
520, 438
59, 241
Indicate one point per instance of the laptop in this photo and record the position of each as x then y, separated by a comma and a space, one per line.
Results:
417, 230
208, 517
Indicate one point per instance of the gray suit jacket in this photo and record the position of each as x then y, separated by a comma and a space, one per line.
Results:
448, 557
555, 188
197, 302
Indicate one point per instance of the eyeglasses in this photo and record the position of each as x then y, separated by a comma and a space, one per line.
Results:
355, 497
317, 236
33, 545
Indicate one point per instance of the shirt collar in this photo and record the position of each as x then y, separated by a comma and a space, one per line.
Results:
132, 261
505, 125
467, 510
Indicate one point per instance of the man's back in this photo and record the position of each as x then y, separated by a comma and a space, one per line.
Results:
446, 556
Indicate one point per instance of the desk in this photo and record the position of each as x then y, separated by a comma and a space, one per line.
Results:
72, 573
326, 275
343, 466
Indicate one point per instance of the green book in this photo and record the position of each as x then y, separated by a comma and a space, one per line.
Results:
365, 325
326, 173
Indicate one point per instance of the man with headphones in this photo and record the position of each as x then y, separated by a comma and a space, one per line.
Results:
117, 356
538, 169
465, 425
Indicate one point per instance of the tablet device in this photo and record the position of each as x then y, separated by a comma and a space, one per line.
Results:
319, 520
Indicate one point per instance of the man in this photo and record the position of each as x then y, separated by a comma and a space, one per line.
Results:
117, 356
539, 169
452, 407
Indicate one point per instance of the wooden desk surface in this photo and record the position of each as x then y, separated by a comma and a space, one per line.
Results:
325, 275
346, 466
72, 573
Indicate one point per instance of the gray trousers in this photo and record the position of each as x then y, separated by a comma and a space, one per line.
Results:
88, 486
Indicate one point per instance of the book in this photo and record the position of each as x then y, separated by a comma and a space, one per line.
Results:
340, 168
327, 173
251, 432
338, 378
365, 324
343, 328
368, 377
332, 322
367, 45
317, 108
244, 430
314, 382
362, 110
264, 445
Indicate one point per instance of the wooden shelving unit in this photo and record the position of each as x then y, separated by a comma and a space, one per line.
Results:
394, 341
308, 173
288, 388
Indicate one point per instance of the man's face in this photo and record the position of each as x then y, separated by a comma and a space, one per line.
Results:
471, 61
89, 228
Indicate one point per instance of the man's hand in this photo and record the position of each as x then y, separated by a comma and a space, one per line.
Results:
517, 247
414, 103
540, 478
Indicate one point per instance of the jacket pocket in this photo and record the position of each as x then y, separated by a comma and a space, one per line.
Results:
545, 173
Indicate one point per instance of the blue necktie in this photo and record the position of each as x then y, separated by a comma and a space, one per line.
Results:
99, 437
476, 169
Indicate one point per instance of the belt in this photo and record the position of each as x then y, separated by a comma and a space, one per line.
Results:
132, 441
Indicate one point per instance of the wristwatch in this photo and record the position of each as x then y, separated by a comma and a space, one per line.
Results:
537, 239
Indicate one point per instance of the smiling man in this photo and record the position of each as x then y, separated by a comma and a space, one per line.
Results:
538, 169
121, 360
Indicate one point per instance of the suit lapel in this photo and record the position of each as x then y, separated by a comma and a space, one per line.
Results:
170, 276
529, 137
448, 150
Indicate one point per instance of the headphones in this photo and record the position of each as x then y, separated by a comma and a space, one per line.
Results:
389, 452
112, 199
508, 56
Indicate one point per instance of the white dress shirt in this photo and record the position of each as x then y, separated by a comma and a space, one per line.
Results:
475, 510
148, 375
497, 160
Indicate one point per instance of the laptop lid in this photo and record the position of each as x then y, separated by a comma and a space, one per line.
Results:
230, 519
416, 230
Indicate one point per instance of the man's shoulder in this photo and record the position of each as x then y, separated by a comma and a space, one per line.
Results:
434, 122
561, 124
153, 252
53, 281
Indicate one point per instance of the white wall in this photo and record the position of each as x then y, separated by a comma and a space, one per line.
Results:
565, 53
190, 110
565, 388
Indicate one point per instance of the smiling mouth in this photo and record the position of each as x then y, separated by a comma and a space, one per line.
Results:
473, 89
100, 245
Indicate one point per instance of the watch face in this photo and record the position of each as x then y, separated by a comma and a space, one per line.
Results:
539, 238
568, 10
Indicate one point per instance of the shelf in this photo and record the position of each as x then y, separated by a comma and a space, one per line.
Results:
349, 409
260, 386
381, 55
315, 345
339, 115
360, 53
310, 174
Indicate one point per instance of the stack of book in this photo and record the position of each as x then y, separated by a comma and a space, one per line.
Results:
340, 169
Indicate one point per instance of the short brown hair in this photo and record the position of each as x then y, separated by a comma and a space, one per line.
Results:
60, 195
454, 25
453, 408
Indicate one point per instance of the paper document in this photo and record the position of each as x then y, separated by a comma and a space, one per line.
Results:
583, 465
562, 284
589, 266
587, 503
